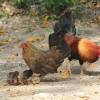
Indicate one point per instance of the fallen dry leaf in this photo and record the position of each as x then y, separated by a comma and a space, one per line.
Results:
34, 13
8, 39
3, 43
33, 38
65, 74
42, 37
95, 92
45, 23
33, 23
2, 32
98, 18
84, 97
83, 1
44, 46
98, 5
13, 57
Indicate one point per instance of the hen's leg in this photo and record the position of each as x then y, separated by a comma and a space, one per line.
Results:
35, 78
26, 75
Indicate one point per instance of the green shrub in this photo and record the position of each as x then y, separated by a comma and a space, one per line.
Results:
56, 6
1, 1
24, 4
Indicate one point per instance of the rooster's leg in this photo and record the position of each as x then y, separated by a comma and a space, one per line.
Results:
81, 72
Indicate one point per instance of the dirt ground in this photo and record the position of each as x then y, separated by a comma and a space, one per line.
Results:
18, 29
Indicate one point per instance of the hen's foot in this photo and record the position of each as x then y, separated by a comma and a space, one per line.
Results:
25, 76
35, 79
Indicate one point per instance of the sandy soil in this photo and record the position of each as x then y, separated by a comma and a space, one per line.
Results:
72, 88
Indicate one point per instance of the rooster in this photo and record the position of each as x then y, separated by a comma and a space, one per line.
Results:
41, 62
82, 49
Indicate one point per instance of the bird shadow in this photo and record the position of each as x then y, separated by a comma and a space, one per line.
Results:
75, 70
90, 73
52, 79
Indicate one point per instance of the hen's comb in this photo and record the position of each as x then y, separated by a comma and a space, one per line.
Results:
23, 45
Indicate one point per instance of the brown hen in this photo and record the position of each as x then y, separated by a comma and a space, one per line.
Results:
41, 62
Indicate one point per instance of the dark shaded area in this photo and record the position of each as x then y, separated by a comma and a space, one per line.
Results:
76, 70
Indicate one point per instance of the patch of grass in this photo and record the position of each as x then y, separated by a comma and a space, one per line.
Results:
3, 14
29, 29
